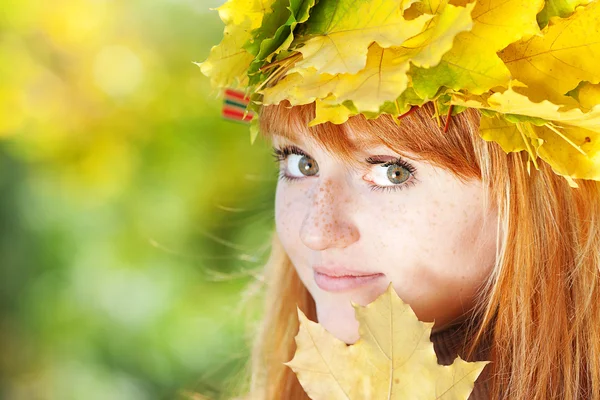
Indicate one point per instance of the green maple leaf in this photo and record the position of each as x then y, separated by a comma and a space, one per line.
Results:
276, 32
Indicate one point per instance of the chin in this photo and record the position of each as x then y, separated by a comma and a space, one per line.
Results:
340, 322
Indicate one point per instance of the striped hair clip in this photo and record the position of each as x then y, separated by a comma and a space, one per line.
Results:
235, 106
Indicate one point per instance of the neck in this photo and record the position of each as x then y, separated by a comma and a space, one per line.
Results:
454, 341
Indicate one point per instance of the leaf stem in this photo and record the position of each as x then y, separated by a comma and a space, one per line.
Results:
448, 117
406, 114
553, 129
521, 126
437, 114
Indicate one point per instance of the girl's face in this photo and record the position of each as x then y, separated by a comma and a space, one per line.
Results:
399, 220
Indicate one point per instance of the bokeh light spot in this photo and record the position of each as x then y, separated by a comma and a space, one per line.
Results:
118, 71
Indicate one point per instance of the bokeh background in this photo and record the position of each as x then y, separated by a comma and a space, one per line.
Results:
133, 218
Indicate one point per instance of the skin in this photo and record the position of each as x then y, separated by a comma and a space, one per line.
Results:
433, 239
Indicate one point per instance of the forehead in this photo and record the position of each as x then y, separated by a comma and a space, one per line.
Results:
342, 134
345, 141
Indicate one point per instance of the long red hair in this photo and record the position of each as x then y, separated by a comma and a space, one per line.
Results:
541, 304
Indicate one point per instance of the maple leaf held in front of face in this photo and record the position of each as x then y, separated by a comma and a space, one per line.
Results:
393, 359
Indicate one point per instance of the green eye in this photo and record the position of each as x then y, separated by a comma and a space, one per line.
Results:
307, 166
397, 174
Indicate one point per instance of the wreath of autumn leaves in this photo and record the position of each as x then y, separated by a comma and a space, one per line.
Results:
530, 66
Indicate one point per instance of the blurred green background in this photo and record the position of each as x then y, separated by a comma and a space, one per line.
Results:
132, 216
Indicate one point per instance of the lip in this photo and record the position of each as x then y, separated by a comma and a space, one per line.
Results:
341, 279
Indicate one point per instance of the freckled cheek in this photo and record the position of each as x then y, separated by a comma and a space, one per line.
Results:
396, 237
290, 208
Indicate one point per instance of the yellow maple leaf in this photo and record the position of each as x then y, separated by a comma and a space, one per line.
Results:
327, 110
501, 22
558, 8
589, 95
513, 101
577, 163
383, 79
511, 136
227, 63
554, 63
393, 359
430, 45
567, 140
429, 6
340, 33
508, 135
472, 64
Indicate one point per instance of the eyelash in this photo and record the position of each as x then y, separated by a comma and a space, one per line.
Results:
280, 154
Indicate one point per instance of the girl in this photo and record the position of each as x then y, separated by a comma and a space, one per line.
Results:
505, 261
503, 256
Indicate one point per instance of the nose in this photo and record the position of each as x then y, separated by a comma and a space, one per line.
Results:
327, 223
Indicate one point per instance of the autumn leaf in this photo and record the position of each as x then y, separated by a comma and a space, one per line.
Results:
248, 14
327, 110
472, 64
393, 359
558, 8
427, 7
428, 47
508, 135
567, 140
512, 101
228, 62
588, 95
276, 33
577, 161
384, 78
339, 33
330, 111
566, 54
512, 136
